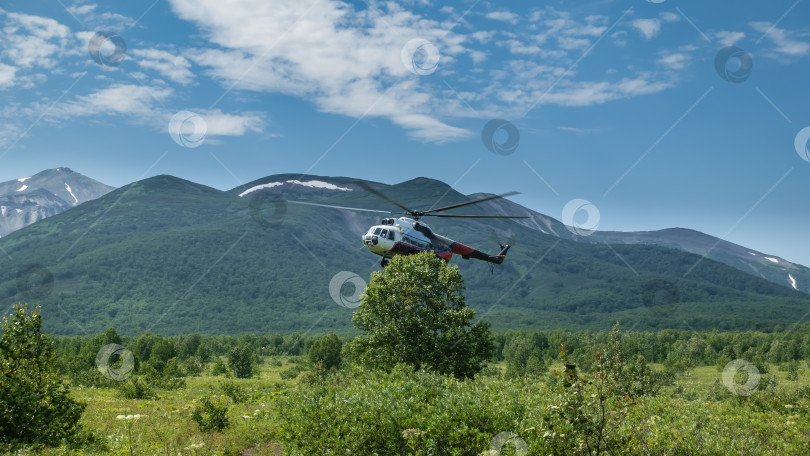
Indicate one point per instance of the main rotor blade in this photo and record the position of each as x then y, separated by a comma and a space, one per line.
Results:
339, 207
476, 216
480, 200
381, 195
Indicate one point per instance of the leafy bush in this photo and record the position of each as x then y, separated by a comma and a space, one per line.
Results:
36, 406
241, 361
219, 368
135, 387
368, 412
211, 414
326, 352
415, 313
292, 372
237, 393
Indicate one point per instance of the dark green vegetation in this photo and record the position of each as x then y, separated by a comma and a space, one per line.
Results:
605, 395
35, 406
414, 313
168, 256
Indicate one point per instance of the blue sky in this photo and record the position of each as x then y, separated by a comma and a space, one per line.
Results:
631, 105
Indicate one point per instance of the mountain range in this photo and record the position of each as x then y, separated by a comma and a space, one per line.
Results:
171, 256
26, 200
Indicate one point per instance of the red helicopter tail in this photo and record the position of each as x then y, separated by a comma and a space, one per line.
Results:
468, 252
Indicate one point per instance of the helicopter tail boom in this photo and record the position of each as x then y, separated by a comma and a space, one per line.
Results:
468, 252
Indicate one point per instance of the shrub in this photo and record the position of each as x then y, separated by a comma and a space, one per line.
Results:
238, 394
414, 313
135, 387
292, 372
219, 367
210, 414
241, 361
386, 413
36, 406
326, 352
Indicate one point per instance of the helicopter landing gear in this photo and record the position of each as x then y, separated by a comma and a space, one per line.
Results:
384, 262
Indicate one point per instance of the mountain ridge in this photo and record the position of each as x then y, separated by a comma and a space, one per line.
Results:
26, 200
171, 256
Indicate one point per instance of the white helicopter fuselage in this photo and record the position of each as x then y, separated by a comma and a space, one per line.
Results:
397, 236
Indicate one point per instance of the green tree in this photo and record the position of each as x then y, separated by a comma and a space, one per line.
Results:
36, 406
326, 351
241, 361
414, 312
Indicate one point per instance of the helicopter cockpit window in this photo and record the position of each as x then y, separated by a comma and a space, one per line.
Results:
377, 231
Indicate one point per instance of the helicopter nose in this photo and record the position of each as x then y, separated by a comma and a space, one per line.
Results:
370, 240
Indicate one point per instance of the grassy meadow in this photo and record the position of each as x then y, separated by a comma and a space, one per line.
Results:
692, 416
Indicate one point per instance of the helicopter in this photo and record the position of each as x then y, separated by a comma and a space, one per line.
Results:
407, 235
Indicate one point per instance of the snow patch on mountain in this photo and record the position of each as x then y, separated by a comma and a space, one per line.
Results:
792, 282
773, 260
71, 194
23, 179
311, 184
22, 188
259, 187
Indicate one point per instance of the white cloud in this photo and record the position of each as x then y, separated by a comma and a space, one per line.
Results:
118, 99
221, 124
6, 75
729, 38
144, 105
33, 41
590, 93
620, 38
174, 67
347, 62
668, 16
81, 10
647, 27
676, 61
577, 130
784, 41
505, 16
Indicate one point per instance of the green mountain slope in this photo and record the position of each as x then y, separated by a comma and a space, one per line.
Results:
171, 256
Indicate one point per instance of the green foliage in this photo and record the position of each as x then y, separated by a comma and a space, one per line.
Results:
135, 387
210, 414
523, 358
158, 234
326, 352
219, 367
414, 313
237, 393
387, 413
241, 361
586, 415
36, 406
292, 372
629, 375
